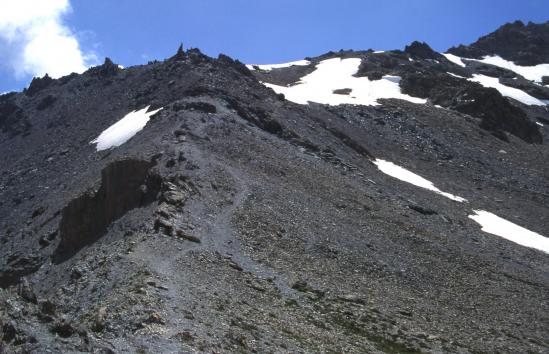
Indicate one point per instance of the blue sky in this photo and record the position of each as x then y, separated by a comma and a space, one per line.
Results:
135, 31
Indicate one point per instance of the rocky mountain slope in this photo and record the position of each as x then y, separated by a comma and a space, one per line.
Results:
353, 202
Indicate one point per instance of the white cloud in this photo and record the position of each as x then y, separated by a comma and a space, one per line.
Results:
35, 41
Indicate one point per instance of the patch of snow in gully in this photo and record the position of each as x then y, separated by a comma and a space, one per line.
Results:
512, 92
123, 130
268, 67
454, 59
540, 124
337, 73
533, 73
403, 174
454, 75
495, 225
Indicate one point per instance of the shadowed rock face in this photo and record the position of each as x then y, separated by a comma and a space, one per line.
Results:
38, 84
106, 70
125, 185
17, 267
12, 118
523, 44
496, 113
421, 50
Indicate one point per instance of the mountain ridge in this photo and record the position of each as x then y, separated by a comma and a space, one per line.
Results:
508, 41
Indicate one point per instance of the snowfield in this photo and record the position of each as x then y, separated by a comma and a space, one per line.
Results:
268, 67
507, 91
495, 225
123, 130
405, 175
533, 73
334, 74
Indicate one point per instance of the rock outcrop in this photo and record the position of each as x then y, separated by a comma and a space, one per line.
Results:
125, 185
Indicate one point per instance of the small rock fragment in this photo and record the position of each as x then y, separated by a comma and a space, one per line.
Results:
185, 336
100, 319
174, 197
235, 265
47, 307
163, 224
25, 291
155, 318
301, 286
63, 329
422, 210
352, 298
180, 233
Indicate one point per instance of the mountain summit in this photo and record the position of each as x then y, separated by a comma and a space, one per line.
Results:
356, 201
522, 44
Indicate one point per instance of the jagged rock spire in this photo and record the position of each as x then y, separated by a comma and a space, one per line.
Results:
421, 50
180, 55
108, 62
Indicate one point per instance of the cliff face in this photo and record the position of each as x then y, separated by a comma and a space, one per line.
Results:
240, 218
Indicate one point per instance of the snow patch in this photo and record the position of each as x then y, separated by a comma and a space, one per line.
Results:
268, 67
454, 59
333, 74
123, 130
507, 91
533, 73
405, 175
454, 75
495, 225
538, 123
